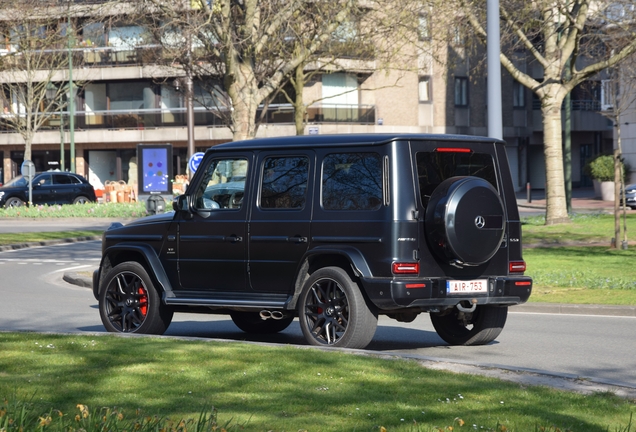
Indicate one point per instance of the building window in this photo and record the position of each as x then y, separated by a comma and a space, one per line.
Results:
340, 89
609, 93
461, 91
458, 35
424, 27
425, 89
518, 95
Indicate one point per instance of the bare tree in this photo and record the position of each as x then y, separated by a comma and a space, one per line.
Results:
380, 37
563, 38
246, 50
618, 96
34, 67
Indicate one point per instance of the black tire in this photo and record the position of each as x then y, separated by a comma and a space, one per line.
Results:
251, 322
478, 328
129, 302
13, 202
332, 311
465, 221
81, 200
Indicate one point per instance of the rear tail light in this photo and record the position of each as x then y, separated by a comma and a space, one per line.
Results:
517, 266
406, 268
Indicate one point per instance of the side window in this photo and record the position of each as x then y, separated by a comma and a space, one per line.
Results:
45, 179
352, 181
223, 185
284, 183
61, 179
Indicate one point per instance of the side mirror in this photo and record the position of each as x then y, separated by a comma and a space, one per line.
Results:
181, 203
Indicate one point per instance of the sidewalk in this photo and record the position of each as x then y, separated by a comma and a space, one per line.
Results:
583, 200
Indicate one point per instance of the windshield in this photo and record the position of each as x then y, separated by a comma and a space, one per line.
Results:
17, 181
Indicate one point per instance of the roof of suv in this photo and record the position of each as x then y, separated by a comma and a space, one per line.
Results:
348, 139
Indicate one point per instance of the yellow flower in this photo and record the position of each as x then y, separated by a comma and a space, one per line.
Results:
2, 413
120, 416
83, 410
460, 422
77, 417
382, 429
45, 421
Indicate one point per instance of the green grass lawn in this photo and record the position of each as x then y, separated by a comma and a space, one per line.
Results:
582, 274
584, 228
28, 237
264, 388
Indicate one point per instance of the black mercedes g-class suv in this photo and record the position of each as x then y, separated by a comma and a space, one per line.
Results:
334, 230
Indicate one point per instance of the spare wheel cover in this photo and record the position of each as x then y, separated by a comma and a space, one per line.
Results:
465, 220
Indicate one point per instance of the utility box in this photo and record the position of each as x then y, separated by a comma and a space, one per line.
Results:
155, 205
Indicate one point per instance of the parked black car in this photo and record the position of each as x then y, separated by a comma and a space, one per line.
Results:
630, 196
50, 187
334, 230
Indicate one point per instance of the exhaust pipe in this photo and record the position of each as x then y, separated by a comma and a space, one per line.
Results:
275, 315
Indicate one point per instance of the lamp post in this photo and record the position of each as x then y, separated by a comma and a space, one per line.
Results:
190, 116
495, 122
71, 91
51, 94
187, 95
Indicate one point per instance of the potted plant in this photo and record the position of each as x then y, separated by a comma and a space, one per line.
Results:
601, 169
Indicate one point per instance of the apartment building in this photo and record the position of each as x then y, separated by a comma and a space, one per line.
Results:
124, 101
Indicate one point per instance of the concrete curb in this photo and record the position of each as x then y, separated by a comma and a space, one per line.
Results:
78, 279
576, 309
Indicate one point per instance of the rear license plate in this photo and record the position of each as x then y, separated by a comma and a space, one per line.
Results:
467, 286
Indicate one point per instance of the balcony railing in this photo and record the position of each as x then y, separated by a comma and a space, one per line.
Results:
176, 117
576, 105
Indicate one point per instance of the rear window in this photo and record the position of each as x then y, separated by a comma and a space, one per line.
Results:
435, 167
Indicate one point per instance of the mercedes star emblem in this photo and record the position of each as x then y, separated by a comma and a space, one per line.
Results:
480, 222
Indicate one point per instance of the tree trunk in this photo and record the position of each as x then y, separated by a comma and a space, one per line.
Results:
556, 205
243, 90
27, 135
617, 192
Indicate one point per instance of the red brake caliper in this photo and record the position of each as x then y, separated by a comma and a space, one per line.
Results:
143, 301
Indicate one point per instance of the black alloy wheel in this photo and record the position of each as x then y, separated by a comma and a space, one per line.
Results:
129, 302
477, 328
332, 311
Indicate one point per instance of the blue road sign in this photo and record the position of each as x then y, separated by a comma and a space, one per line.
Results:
194, 161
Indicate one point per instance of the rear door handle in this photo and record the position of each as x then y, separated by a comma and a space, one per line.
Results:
297, 239
234, 239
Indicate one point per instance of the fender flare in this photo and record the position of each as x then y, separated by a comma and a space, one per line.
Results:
151, 262
355, 258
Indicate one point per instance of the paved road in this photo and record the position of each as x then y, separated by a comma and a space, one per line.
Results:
34, 297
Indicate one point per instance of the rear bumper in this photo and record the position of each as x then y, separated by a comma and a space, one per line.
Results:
391, 294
